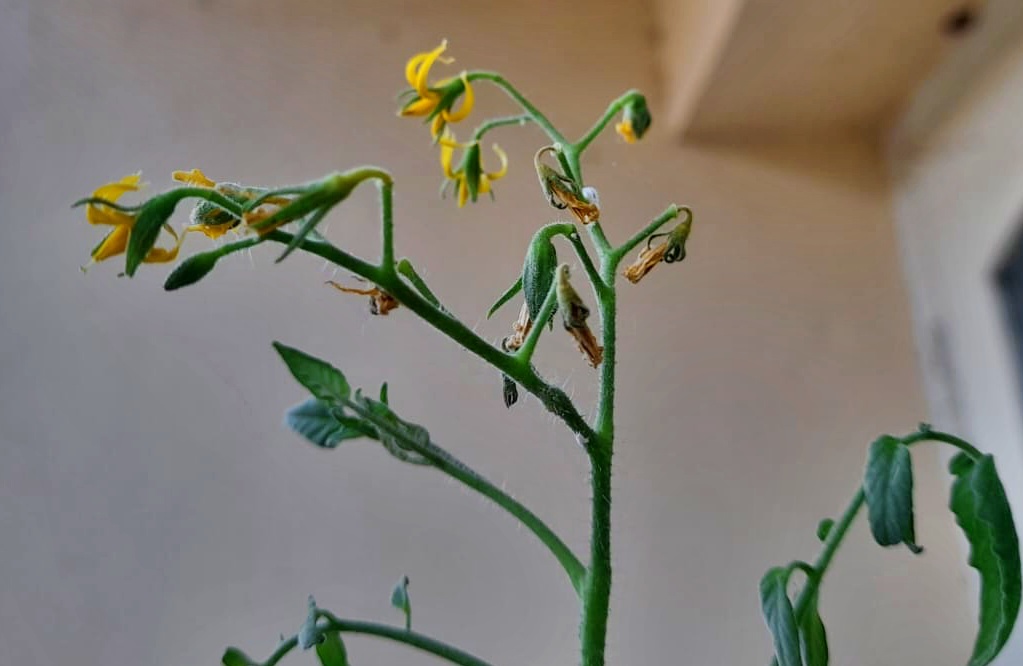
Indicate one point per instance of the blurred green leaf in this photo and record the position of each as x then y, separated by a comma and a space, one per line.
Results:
322, 379
779, 616
323, 425
400, 600
888, 487
331, 651
982, 511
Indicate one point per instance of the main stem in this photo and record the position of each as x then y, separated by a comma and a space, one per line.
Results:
597, 592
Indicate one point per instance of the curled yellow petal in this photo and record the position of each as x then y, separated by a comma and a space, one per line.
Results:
438, 125
194, 177
422, 73
503, 156
447, 151
412, 67
463, 191
467, 103
104, 215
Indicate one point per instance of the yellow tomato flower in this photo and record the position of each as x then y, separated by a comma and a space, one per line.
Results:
469, 178
116, 242
436, 102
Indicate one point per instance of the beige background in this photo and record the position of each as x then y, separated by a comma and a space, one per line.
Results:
154, 510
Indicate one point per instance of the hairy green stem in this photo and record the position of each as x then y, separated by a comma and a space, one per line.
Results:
553, 398
387, 225
550, 302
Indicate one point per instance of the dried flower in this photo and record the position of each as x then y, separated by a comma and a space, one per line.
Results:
560, 191
669, 250
574, 315
520, 329
380, 302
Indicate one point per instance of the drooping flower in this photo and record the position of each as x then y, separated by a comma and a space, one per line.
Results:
670, 250
470, 180
574, 314
635, 120
380, 302
560, 193
103, 209
436, 101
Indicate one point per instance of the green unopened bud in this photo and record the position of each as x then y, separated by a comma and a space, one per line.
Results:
538, 272
192, 270
472, 169
635, 119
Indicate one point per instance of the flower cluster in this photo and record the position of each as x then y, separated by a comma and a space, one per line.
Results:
436, 101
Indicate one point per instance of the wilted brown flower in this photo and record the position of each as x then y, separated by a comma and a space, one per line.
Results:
573, 316
380, 302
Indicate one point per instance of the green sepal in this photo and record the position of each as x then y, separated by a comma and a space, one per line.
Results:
331, 650
982, 510
322, 379
150, 219
637, 112
888, 488
780, 617
538, 272
505, 297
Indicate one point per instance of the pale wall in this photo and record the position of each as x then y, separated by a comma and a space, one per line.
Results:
959, 200
153, 509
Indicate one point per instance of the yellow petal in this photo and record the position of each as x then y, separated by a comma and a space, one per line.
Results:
447, 150
438, 125
625, 130
467, 104
114, 244
484, 186
412, 67
160, 255
99, 214
212, 231
194, 177
463, 192
420, 107
114, 191
500, 173
420, 82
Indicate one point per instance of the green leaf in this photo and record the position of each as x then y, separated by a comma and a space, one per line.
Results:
982, 511
779, 616
151, 218
813, 640
505, 297
332, 650
322, 379
322, 424
538, 272
888, 486
235, 657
